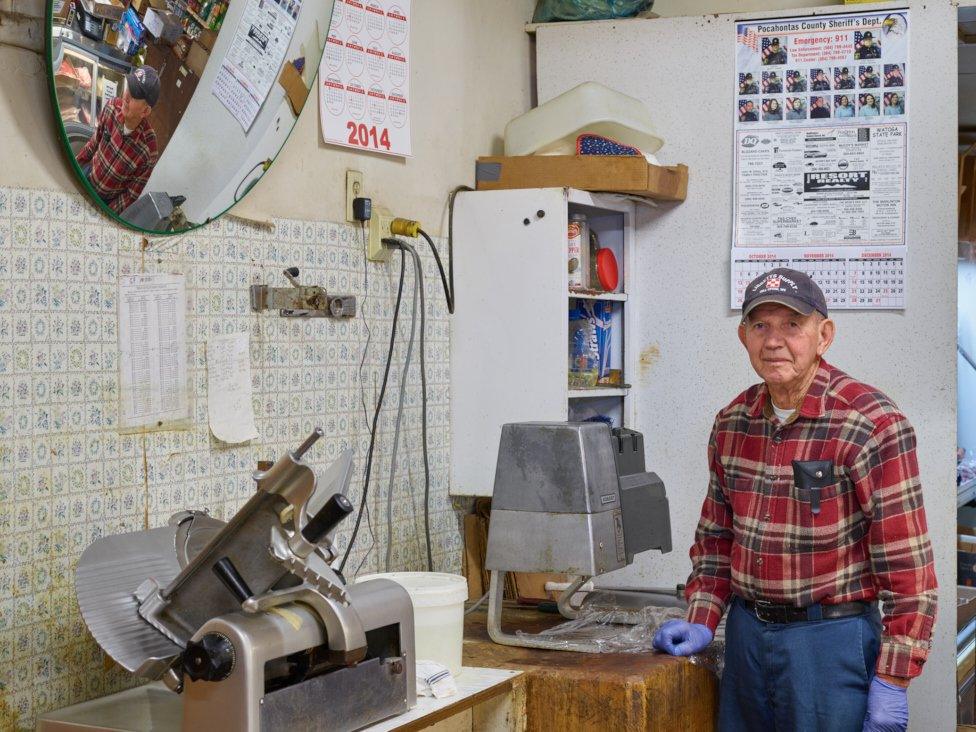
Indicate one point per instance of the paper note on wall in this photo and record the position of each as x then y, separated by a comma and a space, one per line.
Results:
152, 342
229, 407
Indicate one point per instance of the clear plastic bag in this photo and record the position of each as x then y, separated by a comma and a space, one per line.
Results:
547, 11
621, 630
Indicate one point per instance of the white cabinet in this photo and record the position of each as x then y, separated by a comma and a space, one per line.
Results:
510, 328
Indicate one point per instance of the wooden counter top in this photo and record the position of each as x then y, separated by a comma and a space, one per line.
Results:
596, 691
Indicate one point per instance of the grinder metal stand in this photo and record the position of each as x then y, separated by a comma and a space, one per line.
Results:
572, 498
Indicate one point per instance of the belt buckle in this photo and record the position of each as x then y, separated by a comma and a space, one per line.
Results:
765, 606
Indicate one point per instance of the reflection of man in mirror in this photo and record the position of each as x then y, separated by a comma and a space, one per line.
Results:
120, 156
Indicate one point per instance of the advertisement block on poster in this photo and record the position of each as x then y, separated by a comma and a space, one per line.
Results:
364, 76
821, 140
255, 57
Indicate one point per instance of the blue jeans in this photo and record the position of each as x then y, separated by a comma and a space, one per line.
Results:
797, 677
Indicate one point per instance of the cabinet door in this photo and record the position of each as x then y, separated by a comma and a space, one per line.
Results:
509, 329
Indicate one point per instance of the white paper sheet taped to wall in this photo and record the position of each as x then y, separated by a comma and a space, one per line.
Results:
229, 406
152, 342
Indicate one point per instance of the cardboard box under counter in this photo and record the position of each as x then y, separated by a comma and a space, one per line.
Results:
616, 174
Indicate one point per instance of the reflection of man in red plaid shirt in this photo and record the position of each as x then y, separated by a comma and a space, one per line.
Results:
813, 513
120, 156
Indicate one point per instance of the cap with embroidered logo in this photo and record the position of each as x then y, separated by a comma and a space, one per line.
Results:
788, 287
143, 83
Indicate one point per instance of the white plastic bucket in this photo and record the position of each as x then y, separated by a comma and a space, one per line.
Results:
438, 613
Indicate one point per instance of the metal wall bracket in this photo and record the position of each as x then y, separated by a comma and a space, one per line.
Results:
301, 301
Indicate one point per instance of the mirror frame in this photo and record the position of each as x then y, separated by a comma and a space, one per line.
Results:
80, 178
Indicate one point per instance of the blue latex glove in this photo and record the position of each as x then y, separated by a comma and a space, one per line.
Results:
887, 708
681, 638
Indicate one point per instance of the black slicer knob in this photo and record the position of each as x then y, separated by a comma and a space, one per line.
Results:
209, 659
328, 517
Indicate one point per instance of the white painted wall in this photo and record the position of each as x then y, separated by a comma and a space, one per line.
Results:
682, 67
471, 73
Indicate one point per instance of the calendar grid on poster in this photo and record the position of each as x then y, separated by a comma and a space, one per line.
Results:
861, 280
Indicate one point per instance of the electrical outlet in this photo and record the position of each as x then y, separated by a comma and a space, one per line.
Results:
379, 229
354, 189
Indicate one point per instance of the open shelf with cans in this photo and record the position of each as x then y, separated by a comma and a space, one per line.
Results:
512, 354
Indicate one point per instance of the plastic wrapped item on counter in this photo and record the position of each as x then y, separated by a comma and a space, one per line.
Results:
624, 630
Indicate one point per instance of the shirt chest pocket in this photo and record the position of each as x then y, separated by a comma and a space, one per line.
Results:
826, 514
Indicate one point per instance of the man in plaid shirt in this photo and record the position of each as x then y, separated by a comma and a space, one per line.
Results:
813, 513
120, 156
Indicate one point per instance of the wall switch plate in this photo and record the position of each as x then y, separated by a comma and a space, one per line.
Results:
354, 189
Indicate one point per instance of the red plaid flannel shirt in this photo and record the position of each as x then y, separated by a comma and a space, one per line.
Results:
121, 164
758, 538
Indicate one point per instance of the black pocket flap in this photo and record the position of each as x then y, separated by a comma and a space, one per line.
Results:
813, 473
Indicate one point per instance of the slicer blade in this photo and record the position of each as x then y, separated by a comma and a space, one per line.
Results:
108, 574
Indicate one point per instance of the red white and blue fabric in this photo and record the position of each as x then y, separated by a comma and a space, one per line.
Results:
590, 144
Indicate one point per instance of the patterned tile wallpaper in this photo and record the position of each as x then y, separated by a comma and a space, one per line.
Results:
68, 477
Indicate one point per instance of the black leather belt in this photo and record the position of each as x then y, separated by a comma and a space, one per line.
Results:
770, 612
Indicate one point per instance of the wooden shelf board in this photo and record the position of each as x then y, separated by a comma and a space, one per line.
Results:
599, 391
615, 296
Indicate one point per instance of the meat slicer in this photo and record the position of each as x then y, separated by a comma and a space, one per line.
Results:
572, 498
246, 620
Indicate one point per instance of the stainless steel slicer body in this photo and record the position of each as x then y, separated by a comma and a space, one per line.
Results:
572, 498
247, 620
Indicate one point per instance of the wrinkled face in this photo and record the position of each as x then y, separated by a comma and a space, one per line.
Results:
783, 345
134, 110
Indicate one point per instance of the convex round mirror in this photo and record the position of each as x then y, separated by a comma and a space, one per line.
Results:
172, 110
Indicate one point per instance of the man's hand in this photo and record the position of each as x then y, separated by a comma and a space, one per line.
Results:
887, 707
681, 638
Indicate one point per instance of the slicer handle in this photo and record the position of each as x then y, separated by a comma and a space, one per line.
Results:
227, 573
328, 517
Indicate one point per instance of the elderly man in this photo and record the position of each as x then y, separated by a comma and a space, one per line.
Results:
813, 513
121, 154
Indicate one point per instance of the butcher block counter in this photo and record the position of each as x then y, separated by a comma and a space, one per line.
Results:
596, 691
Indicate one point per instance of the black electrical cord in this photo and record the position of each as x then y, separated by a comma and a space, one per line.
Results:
376, 413
404, 247
448, 289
